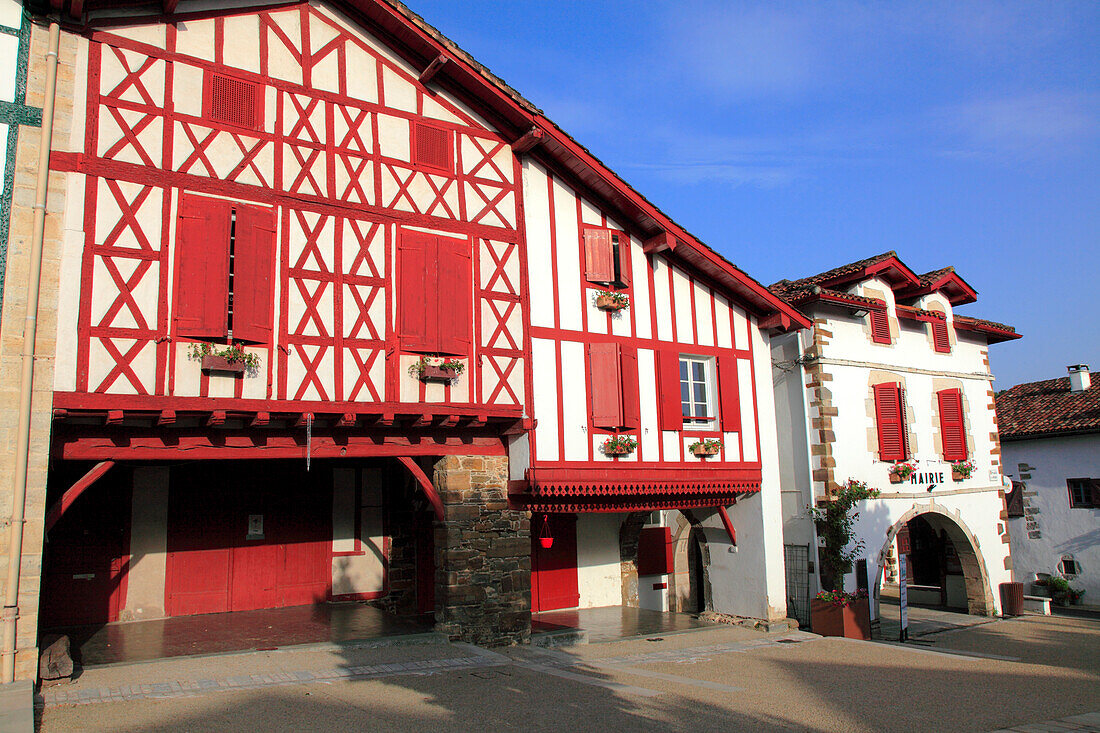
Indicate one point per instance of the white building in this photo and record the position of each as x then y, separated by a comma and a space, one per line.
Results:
14, 112
1051, 442
891, 373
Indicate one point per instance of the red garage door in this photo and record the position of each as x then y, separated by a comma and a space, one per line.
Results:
247, 536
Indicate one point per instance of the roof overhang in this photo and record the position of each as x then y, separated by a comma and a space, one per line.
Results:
891, 270
950, 284
994, 334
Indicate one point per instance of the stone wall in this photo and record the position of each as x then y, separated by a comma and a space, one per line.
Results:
11, 339
483, 554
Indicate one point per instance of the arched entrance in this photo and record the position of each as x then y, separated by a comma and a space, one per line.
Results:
689, 588
938, 539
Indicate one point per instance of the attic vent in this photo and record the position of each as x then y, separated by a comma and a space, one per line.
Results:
233, 101
431, 147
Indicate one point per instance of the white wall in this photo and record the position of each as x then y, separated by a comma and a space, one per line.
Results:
1061, 530
599, 576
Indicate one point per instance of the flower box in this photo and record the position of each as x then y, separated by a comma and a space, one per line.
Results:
215, 363
852, 621
957, 476
618, 450
607, 302
702, 451
432, 373
896, 479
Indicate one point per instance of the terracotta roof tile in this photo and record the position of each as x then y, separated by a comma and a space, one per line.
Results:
1047, 408
786, 285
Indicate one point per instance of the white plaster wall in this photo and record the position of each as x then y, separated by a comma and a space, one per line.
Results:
599, 575
1063, 530
792, 440
11, 13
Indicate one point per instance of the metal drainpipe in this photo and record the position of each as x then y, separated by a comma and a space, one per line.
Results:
26, 384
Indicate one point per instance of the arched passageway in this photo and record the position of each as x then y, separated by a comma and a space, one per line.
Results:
689, 589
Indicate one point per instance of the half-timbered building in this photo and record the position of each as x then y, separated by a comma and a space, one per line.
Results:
321, 274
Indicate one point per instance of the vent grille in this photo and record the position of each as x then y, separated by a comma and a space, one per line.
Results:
233, 101
432, 148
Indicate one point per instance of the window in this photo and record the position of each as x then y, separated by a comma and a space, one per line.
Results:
233, 101
941, 341
1084, 493
607, 256
890, 417
225, 255
435, 289
880, 327
433, 147
952, 425
694, 397
613, 372
1069, 567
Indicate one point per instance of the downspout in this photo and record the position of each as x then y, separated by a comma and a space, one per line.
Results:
26, 384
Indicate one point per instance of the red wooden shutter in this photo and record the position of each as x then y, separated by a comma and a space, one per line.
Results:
888, 414
729, 395
671, 412
598, 262
417, 312
628, 366
940, 340
605, 383
202, 260
253, 262
455, 293
432, 147
952, 426
622, 255
880, 327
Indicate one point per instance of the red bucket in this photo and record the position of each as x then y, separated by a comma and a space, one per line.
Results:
546, 542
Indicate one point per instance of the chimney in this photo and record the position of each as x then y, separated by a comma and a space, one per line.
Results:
1079, 379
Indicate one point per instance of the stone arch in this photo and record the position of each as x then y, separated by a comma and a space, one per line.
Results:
979, 593
687, 530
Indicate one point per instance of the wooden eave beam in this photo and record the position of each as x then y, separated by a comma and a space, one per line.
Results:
347, 420
728, 525
660, 243
433, 68
528, 140
170, 6
217, 417
166, 417
260, 419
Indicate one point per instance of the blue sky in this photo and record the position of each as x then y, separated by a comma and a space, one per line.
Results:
794, 137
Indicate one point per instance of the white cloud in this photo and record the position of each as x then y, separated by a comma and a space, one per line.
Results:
1027, 125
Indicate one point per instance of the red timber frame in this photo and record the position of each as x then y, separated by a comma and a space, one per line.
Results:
343, 253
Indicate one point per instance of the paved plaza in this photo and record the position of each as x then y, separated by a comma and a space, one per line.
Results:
1042, 673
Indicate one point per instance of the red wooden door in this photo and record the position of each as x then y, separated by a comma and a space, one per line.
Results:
253, 577
554, 570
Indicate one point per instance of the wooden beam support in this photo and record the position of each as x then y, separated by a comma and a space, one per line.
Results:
59, 414
728, 525
528, 140
304, 419
167, 417
386, 420
423, 421
347, 420
425, 484
260, 419
779, 321
170, 6
660, 243
114, 417
74, 491
450, 421
217, 417
433, 68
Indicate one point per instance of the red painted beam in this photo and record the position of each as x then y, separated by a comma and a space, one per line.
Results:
659, 243
425, 484
529, 139
74, 491
434, 68
728, 524
170, 6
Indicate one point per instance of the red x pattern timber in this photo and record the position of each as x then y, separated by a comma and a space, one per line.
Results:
501, 322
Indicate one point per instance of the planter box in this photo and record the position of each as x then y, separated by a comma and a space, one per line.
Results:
702, 451
957, 476
895, 479
852, 621
430, 373
212, 363
622, 450
607, 303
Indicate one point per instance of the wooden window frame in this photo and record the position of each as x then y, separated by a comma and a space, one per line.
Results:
941, 337
614, 390
437, 293
607, 257
1091, 493
700, 423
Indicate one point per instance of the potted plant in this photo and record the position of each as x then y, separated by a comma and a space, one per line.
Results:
961, 470
838, 613
705, 447
1074, 595
438, 371
619, 445
899, 472
834, 517
233, 358
1059, 589
609, 300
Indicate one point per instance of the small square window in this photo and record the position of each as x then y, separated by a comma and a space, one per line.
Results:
697, 393
1069, 568
1084, 493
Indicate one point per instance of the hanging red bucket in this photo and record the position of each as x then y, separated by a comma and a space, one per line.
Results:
546, 540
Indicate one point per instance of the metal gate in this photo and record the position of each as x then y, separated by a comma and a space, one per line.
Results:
796, 560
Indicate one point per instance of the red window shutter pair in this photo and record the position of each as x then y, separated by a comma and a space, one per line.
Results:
233, 101
435, 289
613, 372
433, 147
890, 419
952, 425
203, 233
880, 327
670, 408
606, 256
941, 342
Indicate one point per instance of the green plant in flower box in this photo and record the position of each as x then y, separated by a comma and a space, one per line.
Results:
962, 468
